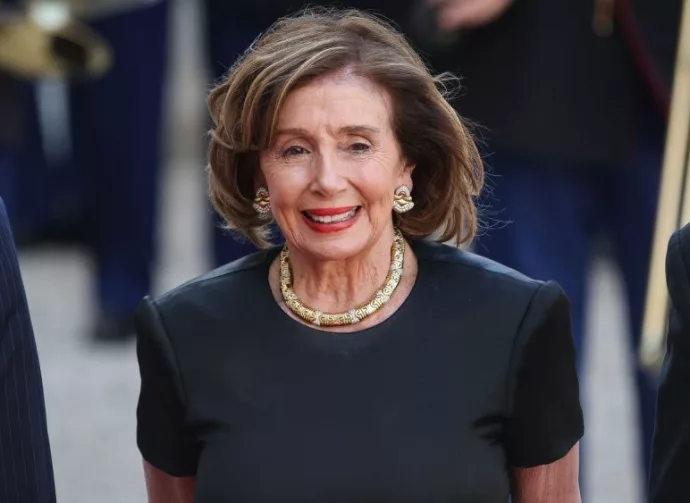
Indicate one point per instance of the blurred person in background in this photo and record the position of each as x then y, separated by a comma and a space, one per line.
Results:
115, 161
26, 467
671, 449
20, 150
311, 372
572, 99
117, 131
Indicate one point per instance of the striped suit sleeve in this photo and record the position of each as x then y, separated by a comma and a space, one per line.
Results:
26, 471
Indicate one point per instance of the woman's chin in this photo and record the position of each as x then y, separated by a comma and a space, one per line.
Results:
332, 250
341, 245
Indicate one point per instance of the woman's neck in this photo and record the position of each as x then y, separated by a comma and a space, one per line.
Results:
340, 285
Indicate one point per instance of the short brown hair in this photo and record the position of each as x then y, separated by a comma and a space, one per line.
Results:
448, 173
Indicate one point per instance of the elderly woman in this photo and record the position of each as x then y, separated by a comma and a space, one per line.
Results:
359, 362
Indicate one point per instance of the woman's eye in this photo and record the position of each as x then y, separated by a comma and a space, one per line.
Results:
360, 147
293, 151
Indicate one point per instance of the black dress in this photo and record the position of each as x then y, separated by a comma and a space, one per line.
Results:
473, 374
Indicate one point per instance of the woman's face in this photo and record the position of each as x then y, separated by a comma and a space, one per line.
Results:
334, 166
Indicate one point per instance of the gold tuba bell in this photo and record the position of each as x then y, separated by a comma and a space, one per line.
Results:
41, 39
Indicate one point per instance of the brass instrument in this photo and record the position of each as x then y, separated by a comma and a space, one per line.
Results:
674, 204
42, 39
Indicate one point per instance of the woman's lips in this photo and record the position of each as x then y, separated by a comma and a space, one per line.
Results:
322, 212
331, 219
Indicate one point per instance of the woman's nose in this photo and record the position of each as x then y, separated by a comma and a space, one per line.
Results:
328, 177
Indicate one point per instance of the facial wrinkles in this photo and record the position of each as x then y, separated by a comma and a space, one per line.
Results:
364, 176
321, 111
325, 103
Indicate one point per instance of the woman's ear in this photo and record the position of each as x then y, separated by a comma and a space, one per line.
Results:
406, 176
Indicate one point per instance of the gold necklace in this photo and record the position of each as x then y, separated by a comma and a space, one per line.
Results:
355, 315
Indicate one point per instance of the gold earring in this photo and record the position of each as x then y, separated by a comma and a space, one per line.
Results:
402, 200
262, 203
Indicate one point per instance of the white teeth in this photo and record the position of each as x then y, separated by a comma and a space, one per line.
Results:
329, 219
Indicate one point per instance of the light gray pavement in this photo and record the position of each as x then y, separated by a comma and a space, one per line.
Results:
91, 392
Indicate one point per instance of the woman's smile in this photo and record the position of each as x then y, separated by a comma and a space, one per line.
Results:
331, 219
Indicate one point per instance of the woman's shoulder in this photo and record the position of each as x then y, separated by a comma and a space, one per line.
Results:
494, 292
474, 269
229, 282
182, 330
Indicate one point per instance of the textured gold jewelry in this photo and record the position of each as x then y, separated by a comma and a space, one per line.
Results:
356, 314
402, 200
262, 202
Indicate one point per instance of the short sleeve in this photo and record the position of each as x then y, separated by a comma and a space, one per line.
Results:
162, 436
545, 418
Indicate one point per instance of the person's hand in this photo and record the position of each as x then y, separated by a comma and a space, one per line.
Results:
454, 14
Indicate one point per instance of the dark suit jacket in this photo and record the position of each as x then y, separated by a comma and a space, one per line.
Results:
671, 450
26, 471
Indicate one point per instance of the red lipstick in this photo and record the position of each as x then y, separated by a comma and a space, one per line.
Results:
326, 212
326, 224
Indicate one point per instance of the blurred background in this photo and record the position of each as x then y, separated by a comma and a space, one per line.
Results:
104, 182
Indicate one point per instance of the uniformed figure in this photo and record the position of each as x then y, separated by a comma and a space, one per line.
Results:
117, 138
116, 157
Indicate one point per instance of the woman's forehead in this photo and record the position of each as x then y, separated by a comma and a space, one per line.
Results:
342, 103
